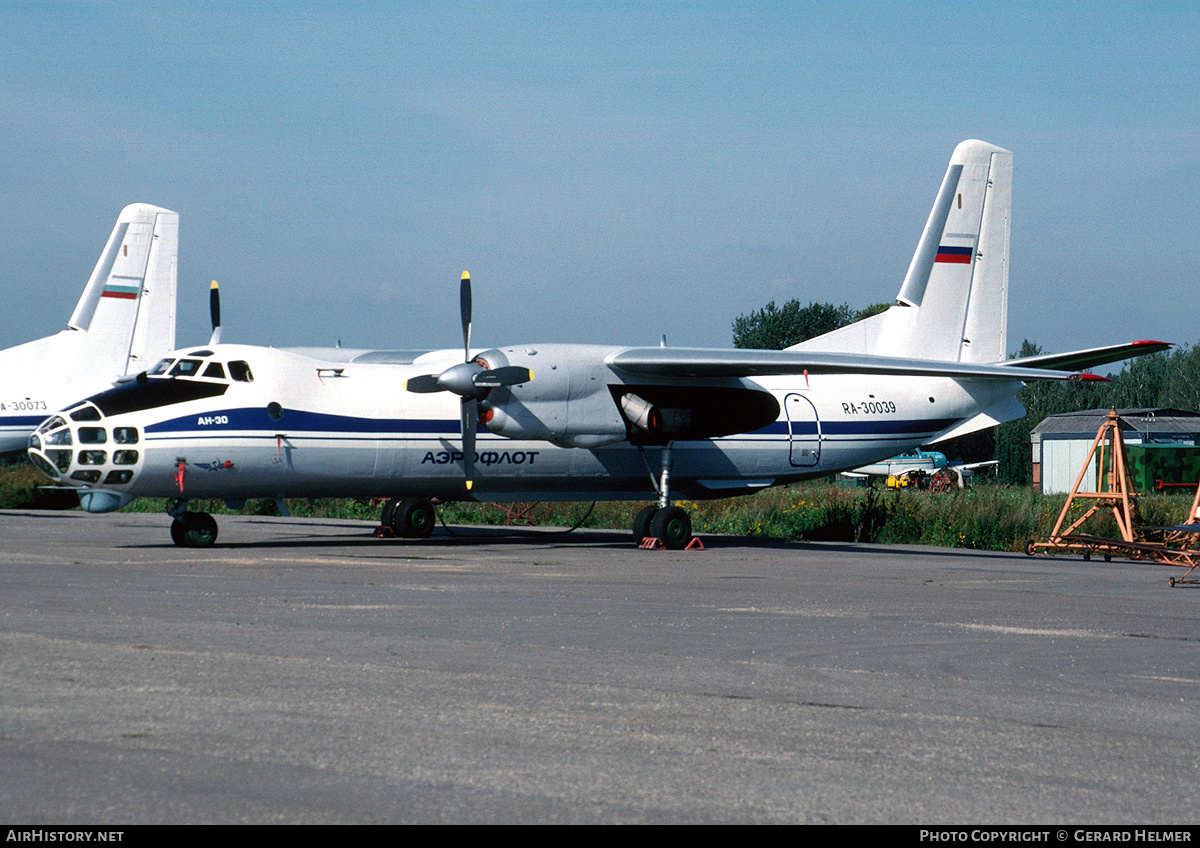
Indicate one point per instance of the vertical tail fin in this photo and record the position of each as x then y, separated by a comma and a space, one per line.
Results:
127, 308
953, 303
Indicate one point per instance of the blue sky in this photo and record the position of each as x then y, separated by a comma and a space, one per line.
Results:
608, 172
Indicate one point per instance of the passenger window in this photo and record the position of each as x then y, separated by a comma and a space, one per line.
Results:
215, 371
240, 371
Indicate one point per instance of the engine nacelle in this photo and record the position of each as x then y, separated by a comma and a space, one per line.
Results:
575, 400
567, 403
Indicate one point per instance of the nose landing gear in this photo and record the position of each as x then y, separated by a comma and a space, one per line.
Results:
191, 529
410, 518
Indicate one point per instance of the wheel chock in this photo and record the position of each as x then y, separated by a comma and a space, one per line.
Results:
653, 543
384, 532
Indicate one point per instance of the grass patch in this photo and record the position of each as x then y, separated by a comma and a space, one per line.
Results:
987, 517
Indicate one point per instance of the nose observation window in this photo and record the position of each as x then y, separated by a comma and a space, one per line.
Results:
53, 424
92, 436
125, 457
118, 477
92, 457
86, 476
125, 435
59, 437
60, 458
43, 466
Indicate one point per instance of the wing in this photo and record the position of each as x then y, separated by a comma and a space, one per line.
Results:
971, 466
712, 362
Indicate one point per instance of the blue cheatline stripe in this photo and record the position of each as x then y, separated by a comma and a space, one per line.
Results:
887, 427
29, 421
299, 421
254, 422
877, 427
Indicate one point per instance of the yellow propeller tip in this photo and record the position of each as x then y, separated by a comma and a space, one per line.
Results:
466, 275
213, 285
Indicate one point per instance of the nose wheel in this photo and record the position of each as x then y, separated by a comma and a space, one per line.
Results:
410, 518
191, 529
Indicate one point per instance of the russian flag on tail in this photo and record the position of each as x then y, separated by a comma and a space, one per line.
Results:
955, 255
121, 292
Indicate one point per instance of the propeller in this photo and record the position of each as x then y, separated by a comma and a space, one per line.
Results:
214, 310
470, 379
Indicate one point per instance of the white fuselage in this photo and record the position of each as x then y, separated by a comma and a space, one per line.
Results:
304, 427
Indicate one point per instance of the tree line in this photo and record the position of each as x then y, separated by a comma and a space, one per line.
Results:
1169, 380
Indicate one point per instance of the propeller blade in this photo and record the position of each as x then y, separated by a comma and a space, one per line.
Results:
510, 375
470, 421
464, 305
214, 311
424, 385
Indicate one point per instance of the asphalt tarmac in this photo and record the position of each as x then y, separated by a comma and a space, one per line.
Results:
303, 671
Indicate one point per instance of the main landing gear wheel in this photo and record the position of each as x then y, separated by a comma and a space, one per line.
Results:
641, 523
412, 518
194, 530
670, 525
673, 527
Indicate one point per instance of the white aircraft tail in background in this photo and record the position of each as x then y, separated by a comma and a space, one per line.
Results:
124, 323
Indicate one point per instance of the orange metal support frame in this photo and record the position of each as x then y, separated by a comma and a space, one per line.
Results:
1167, 546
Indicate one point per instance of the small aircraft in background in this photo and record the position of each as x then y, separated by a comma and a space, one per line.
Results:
900, 470
124, 322
574, 422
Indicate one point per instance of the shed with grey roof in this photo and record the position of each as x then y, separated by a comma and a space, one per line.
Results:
1061, 442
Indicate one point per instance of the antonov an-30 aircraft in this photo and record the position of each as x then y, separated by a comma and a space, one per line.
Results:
576, 422
124, 322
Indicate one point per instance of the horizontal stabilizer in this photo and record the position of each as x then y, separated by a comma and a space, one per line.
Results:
706, 362
1078, 359
1008, 409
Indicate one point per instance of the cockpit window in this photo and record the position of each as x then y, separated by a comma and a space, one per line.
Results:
240, 371
186, 368
215, 371
161, 367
